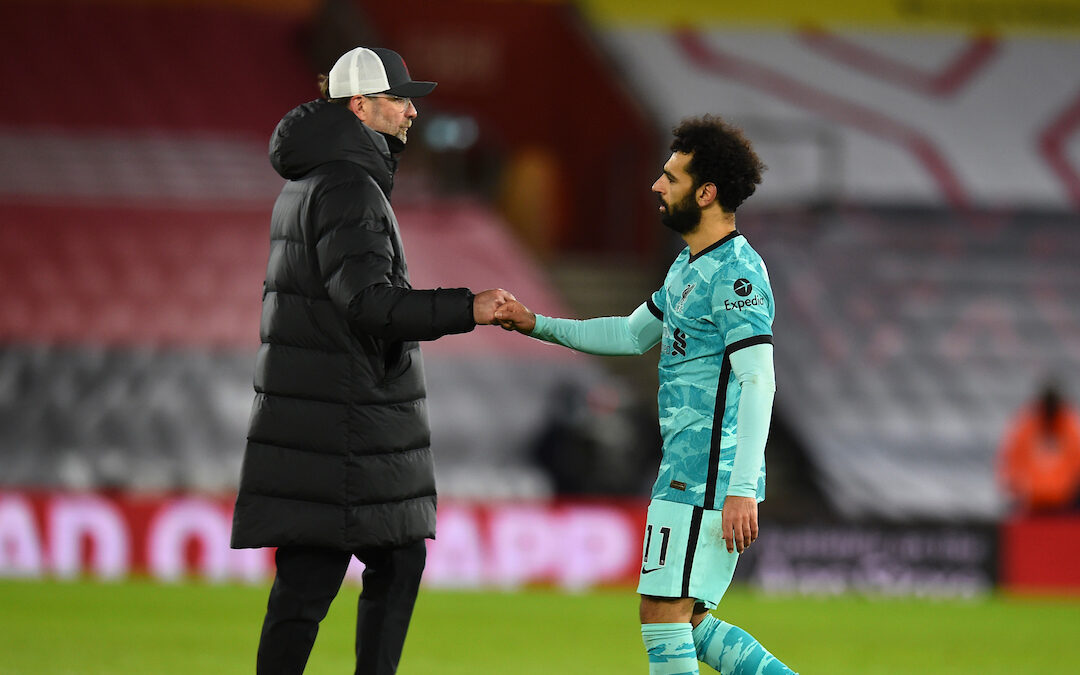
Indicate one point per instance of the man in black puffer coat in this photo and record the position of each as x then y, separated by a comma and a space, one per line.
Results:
338, 461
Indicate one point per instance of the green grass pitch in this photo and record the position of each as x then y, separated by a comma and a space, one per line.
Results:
140, 627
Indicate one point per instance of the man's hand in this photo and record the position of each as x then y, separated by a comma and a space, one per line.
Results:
515, 316
739, 522
485, 304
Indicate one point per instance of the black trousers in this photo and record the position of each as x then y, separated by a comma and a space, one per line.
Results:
306, 582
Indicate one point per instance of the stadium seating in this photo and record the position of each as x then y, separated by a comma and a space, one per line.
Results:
907, 340
136, 193
148, 69
128, 336
131, 276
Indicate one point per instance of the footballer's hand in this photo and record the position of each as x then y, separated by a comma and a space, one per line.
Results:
515, 316
485, 304
739, 522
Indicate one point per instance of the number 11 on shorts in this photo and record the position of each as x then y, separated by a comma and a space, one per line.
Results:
665, 535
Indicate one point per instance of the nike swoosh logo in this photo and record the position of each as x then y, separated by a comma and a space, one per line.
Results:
645, 571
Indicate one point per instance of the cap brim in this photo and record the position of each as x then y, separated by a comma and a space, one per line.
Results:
411, 89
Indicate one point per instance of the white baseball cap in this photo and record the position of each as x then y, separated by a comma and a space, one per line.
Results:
374, 70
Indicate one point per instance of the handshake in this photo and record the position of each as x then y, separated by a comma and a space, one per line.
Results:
500, 308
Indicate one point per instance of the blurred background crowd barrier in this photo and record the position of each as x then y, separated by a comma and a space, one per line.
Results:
919, 218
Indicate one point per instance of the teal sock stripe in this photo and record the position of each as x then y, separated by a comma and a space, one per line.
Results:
732, 651
671, 648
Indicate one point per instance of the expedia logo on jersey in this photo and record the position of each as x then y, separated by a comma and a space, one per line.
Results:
743, 288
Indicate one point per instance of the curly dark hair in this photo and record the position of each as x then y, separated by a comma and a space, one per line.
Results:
720, 155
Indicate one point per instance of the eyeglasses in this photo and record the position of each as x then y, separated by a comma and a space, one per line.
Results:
402, 103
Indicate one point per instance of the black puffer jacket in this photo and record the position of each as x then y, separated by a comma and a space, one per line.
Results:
338, 446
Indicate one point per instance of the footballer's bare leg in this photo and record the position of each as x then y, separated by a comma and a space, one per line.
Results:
655, 609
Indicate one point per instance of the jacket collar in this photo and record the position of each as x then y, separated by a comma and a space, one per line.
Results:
319, 132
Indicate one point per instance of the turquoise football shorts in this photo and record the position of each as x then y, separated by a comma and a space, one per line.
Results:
684, 554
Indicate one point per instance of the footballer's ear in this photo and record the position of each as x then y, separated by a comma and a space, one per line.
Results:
705, 194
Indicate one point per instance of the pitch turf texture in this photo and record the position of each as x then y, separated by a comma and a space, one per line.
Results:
141, 627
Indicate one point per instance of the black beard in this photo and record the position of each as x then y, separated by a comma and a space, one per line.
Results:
682, 216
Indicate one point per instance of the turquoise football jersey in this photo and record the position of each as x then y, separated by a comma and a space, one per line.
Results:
712, 304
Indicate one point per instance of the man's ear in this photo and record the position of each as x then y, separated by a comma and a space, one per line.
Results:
706, 194
357, 104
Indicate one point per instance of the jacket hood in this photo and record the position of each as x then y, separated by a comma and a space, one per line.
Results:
318, 132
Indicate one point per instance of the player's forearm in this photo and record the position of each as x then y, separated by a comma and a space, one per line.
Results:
607, 336
753, 368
